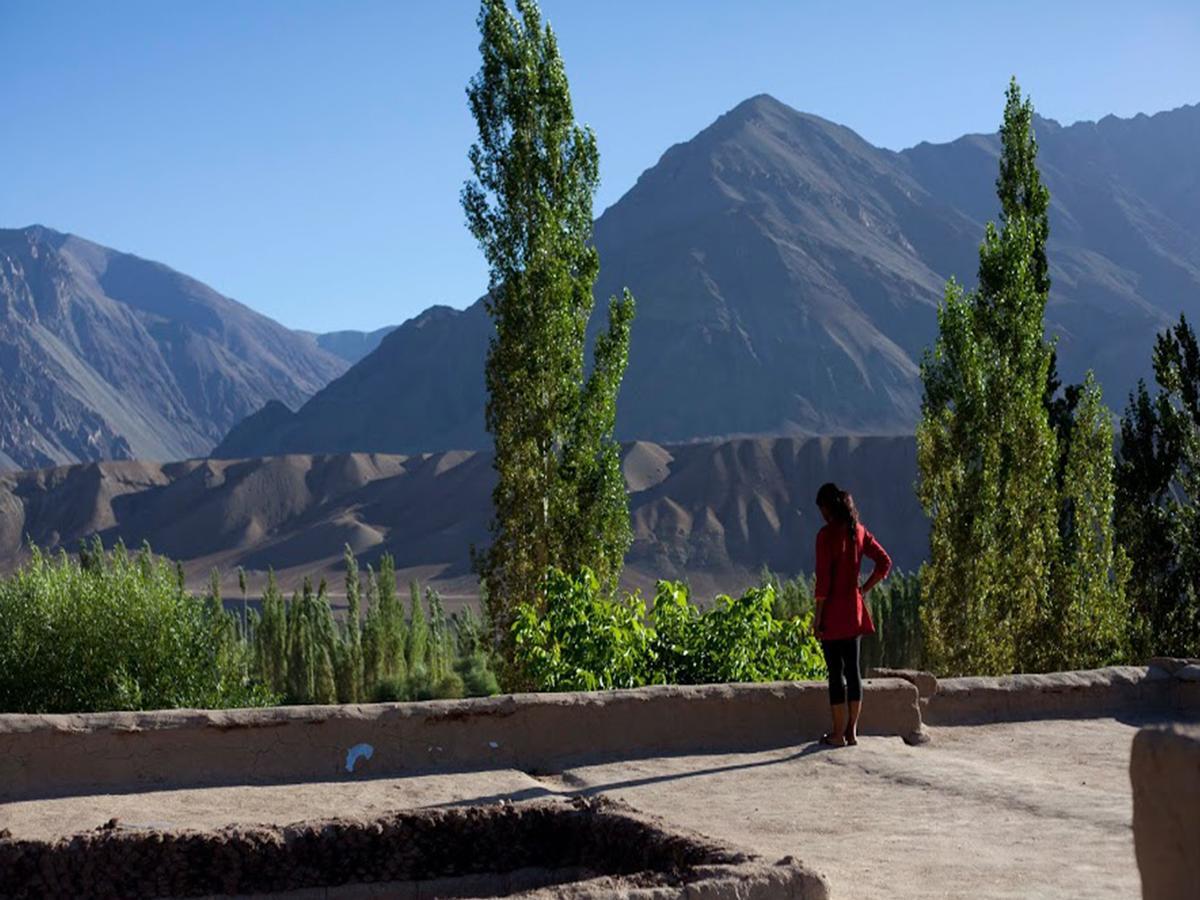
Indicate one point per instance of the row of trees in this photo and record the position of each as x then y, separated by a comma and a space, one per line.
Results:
301, 653
1158, 499
1045, 554
1016, 472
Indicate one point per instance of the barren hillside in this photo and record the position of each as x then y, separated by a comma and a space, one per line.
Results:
104, 355
713, 513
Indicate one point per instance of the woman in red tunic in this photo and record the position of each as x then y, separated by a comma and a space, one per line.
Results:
842, 618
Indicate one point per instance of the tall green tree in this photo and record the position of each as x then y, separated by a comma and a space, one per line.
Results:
1158, 489
559, 498
1086, 620
1018, 479
986, 452
352, 664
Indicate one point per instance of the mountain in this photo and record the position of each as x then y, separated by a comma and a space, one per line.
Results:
711, 513
788, 273
105, 355
349, 345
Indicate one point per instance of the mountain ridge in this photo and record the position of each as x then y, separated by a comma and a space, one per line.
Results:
104, 354
788, 274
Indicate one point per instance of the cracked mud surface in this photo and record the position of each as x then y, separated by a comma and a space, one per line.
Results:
1004, 810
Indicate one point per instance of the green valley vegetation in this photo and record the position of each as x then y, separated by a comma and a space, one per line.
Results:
584, 640
1158, 489
895, 604
117, 630
1022, 574
560, 498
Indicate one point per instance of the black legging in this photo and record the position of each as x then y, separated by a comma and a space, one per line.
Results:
841, 658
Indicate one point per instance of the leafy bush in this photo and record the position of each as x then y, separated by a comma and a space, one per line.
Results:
111, 630
115, 631
478, 679
585, 641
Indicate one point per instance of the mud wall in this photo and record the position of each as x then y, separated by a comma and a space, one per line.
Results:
1164, 687
1053, 695
1165, 771
45, 756
584, 848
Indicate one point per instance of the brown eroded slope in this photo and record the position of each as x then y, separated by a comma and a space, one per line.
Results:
713, 513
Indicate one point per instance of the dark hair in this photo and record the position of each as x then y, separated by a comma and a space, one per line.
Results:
840, 505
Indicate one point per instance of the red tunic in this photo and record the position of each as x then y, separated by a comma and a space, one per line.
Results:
838, 561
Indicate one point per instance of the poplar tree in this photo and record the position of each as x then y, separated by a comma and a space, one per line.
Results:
353, 682
1024, 572
1087, 614
985, 448
559, 498
1158, 498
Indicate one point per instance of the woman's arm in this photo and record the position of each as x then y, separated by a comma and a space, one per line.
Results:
821, 587
883, 563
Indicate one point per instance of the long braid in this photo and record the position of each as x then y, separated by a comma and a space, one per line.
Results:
850, 513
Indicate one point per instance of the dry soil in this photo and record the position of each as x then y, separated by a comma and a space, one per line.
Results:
1027, 809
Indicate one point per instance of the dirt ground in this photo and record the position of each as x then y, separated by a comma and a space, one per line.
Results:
1028, 809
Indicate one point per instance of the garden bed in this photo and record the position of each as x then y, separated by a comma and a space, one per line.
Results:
581, 848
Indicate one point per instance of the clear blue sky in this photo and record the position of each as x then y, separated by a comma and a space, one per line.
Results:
306, 157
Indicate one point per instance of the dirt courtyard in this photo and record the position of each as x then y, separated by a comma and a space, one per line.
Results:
1025, 809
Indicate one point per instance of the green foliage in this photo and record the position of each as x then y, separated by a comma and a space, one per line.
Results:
392, 657
793, 596
989, 460
1085, 622
582, 640
115, 631
1158, 487
350, 662
559, 498
899, 639
440, 645
895, 606
270, 639
417, 633
477, 677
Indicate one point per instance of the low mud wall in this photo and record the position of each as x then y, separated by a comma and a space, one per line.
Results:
1163, 688
1165, 770
1011, 698
46, 756
584, 848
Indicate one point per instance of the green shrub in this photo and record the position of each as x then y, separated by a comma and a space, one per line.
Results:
477, 676
115, 631
585, 641
449, 687
390, 690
